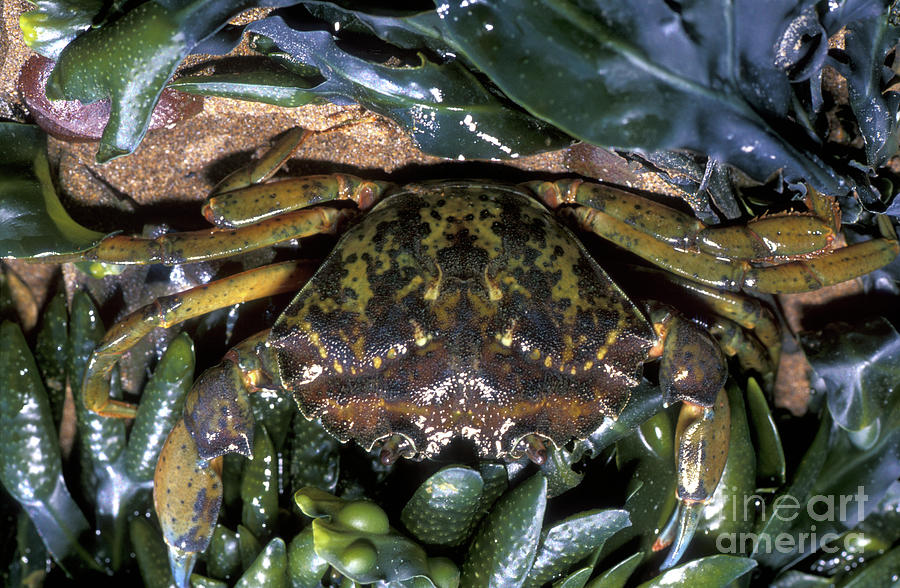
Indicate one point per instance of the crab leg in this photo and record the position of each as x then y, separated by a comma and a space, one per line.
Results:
254, 203
176, 248
742, 323
187, 486
750, 353
714, 256
170, 310
244, 197
692, 370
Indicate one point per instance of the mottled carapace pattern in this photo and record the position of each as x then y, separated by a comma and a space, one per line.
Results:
460, 309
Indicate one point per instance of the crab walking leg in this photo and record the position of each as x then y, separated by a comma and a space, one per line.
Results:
263, 168
255, 203
706, 254
796, 276
753, 317
761, 238
187, 486
748, 312
176, 248
170, 310
749, 351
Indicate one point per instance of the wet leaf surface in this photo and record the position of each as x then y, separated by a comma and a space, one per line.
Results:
443, 509
305, 567
34, 221
30, 464
715, 570
858, 366
572, 540
770, 463
505, 545
445, 108
617, 576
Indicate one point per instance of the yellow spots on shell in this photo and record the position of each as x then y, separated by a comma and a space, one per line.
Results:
434, 288
535, 354
601, 353
495, 292
506, 337
548, 361
420, 337
376, 362
315, 340
588, 365
409, 287
392, 353
338, 367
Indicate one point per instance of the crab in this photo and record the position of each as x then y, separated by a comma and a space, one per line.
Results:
464, 309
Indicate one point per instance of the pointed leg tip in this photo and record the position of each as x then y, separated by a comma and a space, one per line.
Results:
678, 532
181, 563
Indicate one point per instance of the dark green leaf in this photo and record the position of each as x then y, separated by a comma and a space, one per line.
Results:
617, 576
393, 557
850, 551
859, 366
275, 411
223, 558
576, 579
651, 488
506, 543
442, 511
884, 520
446, 110
248, 545
715, 570
883, 571
102, 439
770, 464
31, 464
315, 456
867, 44
837, 483
198, 581
571, 540
161, 405
130, 60
270, 87
51, 351
305, 568
269, 569
34, 222
53, 24
31, 561
259, 487
150, 550
30, 467
794, 579
776, 520
652, 76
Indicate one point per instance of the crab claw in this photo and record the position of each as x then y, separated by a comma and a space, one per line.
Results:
702, 438
187, 494
678, 532
187, 487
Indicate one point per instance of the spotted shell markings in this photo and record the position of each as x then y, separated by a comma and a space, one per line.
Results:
460, 309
